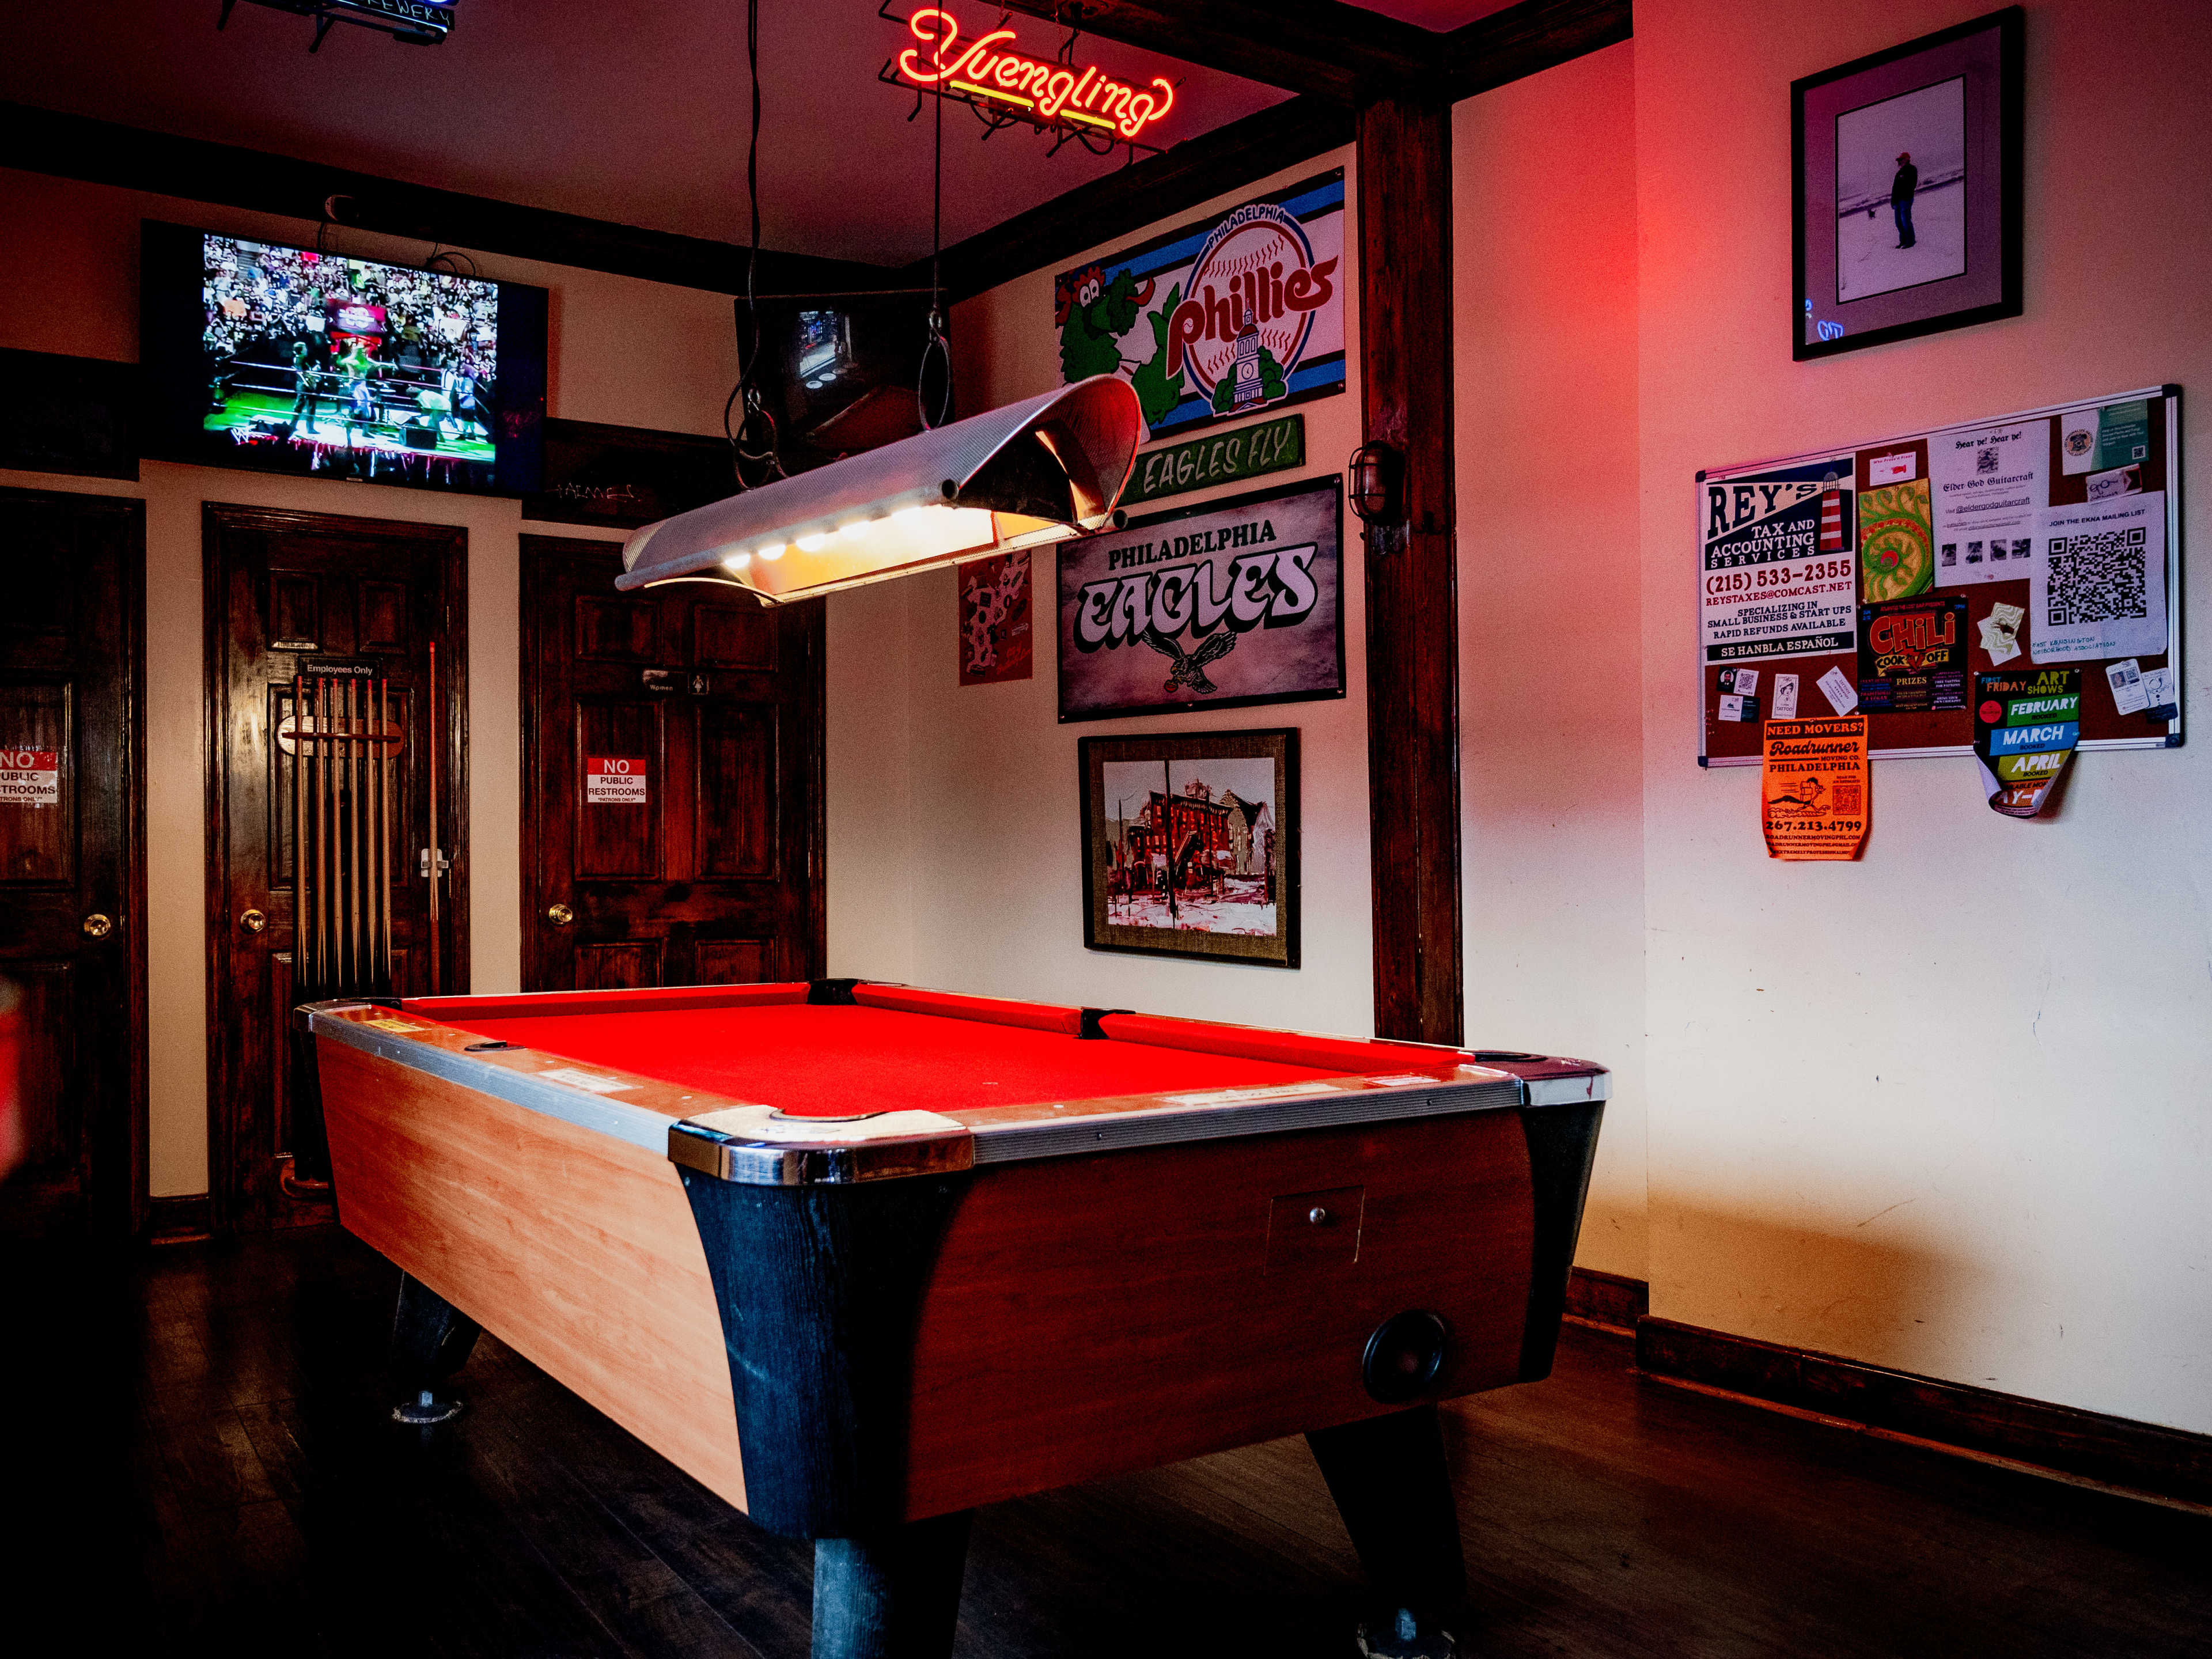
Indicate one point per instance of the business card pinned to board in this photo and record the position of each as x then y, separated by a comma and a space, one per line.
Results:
1836, 685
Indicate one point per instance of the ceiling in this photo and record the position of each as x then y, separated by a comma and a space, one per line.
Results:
632, 110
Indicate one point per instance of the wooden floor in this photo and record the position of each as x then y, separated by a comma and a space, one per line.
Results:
199, 1440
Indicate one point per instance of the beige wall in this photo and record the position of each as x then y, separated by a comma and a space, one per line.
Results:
1550, 591
623, 351
1943, 1109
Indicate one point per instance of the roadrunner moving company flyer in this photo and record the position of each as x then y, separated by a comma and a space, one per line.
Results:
1778, 577
1815, 788
1230, 603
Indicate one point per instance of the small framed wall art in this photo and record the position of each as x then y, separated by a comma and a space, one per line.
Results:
1907, 189
1190, 845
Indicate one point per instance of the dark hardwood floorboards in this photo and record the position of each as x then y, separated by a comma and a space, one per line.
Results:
198, 1440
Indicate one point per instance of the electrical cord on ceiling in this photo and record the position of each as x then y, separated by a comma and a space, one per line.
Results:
755, 427
936, 347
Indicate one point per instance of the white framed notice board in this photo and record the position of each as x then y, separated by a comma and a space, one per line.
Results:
1882, 577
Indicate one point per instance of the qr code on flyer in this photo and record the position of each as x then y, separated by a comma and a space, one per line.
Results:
2099, 577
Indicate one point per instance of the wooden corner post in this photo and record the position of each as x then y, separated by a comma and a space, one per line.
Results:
1412, 616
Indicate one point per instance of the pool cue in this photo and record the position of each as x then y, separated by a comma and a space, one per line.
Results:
322, 829
385, 751
356, 824
301, 965
430, 760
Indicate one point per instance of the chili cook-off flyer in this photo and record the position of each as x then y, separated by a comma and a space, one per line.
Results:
1815, 788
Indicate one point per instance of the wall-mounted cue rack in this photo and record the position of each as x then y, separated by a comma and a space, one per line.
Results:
1882, 577
345, 746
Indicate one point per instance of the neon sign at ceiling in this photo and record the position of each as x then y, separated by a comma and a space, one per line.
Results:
986, 70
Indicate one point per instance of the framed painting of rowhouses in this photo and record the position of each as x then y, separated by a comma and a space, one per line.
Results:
1190, 845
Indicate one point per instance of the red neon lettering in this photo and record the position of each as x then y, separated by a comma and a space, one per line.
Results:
1055, 88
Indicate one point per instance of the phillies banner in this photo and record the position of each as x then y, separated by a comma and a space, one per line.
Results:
1218, 320
1230, 603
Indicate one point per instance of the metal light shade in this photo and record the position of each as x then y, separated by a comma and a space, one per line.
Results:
1050, 467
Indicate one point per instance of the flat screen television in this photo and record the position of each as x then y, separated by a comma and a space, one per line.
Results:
838, 372
287, 360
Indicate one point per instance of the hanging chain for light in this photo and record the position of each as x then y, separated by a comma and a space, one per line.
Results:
753, 441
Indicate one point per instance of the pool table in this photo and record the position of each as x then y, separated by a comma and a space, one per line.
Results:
860, 1257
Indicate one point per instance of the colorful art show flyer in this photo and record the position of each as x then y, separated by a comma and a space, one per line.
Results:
1814, 789
2025, 726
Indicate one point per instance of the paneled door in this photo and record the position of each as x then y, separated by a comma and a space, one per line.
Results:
671, 805
341, 613
72, 869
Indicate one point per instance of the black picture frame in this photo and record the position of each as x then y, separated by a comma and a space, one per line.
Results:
1940, 289
1108, 923
625, 477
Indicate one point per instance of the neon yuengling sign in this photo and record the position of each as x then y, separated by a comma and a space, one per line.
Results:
990, 74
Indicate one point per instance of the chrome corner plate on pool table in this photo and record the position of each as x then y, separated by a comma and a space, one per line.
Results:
861, 1257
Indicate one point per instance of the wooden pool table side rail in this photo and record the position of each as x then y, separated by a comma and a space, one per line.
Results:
1090, 1316
574, 1247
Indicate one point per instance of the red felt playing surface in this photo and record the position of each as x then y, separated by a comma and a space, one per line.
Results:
830, 1060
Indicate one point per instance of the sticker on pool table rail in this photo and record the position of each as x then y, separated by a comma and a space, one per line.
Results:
575, 1078
766, 1123
394, 1025
1263, 1091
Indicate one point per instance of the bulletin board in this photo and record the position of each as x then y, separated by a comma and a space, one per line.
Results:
1882, 577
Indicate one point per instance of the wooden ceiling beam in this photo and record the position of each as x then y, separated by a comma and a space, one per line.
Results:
1536, 34
1345, 53
99, 152
1324, 48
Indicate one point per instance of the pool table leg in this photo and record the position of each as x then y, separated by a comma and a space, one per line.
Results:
891, 1595
431, 1339
1391, 1484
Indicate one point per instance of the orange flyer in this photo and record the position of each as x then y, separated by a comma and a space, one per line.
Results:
1813, 787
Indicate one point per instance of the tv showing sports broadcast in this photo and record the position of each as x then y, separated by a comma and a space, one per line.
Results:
291, 360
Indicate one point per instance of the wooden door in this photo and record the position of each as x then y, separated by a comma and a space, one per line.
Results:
303, 597
671, 805
72, 865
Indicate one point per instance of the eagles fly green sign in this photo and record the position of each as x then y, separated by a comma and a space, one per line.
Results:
1249, 452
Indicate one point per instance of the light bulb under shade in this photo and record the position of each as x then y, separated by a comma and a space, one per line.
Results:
812, 543
769, 552
737, 561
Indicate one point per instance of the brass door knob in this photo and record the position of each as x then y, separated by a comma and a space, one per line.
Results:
252, 921
559, 915
98, 926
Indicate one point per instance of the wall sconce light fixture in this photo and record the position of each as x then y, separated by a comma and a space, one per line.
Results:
1376, 493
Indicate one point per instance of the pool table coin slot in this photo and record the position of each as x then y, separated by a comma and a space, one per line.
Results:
474, 1048
1316, 1229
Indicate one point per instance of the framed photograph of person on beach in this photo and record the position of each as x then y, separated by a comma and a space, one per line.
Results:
1907, 189
1190, 845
